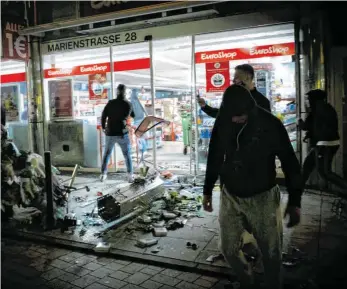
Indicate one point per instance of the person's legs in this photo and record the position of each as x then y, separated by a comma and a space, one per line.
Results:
266, 220
325, 156
232, 226
109, 145
308, 166
125, 145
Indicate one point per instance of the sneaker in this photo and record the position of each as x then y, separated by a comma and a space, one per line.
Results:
130, 178
103, 177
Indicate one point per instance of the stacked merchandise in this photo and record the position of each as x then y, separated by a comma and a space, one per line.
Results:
23, 181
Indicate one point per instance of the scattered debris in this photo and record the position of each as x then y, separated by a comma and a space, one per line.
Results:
168, 215
143, 243
156, 250
102, 247
214, 258
144, 219
192, 246
160, 232
159, 224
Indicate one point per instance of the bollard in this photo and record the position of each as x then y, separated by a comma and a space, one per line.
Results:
49, 191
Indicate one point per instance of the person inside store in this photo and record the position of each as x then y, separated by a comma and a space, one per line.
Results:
322, 132
113, 122
244, 75
244, 143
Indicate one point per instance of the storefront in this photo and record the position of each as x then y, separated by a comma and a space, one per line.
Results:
79, 82
14, 98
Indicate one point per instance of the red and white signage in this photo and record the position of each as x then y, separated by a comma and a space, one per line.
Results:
217, 76
96, 87
15, 77
127, 65
245, 53
14, 46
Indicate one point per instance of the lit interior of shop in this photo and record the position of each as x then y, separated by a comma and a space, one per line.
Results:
173, 82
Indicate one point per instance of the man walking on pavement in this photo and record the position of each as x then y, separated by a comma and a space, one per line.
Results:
323, 133
244, 143
113, 122
244, 75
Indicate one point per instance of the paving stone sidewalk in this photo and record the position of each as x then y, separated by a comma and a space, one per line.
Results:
25, 265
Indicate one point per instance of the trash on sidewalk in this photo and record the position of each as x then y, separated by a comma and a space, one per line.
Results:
156, 250
160, 232
214, 258
192, 246
102, 247
144, 219
143, 243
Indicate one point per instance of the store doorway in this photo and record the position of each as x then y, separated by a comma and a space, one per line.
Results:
172, 59
132, 68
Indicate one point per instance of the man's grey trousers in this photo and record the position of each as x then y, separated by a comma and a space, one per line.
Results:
262, 215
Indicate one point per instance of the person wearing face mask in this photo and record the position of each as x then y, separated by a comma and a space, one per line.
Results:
244, 143
322, 130
244, 75
113, 122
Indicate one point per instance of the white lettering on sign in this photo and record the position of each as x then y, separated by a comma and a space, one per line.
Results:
63, 71
269, 50
219, 55
99, 4
16, 45
13, 27
92, 42
93, 68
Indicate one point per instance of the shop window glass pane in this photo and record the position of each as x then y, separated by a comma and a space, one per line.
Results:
269, 50
14, 98
173, 83
77, 87
132, 68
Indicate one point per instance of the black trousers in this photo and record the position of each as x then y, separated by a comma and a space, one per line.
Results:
322, 157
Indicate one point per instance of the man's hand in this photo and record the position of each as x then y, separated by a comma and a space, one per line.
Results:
207, 203
294, 216
201, 102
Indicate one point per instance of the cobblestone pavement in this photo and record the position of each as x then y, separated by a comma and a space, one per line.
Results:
25, 265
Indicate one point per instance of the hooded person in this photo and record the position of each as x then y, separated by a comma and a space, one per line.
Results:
244, 143
322, 130
114, 123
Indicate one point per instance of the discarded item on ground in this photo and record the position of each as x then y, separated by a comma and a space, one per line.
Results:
175, 224
69, 220
168, 215
157, 206
79, 199
99, 194
144, 219
166, 175
156, 250
143, 243
192, 246
214, 258
159, 224
160, 232
102, 247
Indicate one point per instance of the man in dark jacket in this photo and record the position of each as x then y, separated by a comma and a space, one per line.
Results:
244, 75
244, 143
113, 122
322, 132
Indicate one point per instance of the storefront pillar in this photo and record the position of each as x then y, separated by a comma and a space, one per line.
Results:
36, 114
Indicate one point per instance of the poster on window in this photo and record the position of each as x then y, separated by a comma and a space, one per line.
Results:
60, 96
97, 89
9, 100
217, 76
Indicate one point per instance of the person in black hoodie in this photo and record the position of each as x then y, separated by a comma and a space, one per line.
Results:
244, 143
322, 132
244, 75
113, 122
3, 116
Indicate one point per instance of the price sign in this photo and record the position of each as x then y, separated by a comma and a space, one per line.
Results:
14, 46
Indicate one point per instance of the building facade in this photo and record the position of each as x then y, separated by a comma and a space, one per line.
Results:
166, 53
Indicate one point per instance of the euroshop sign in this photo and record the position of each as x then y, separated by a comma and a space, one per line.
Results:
271, 50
